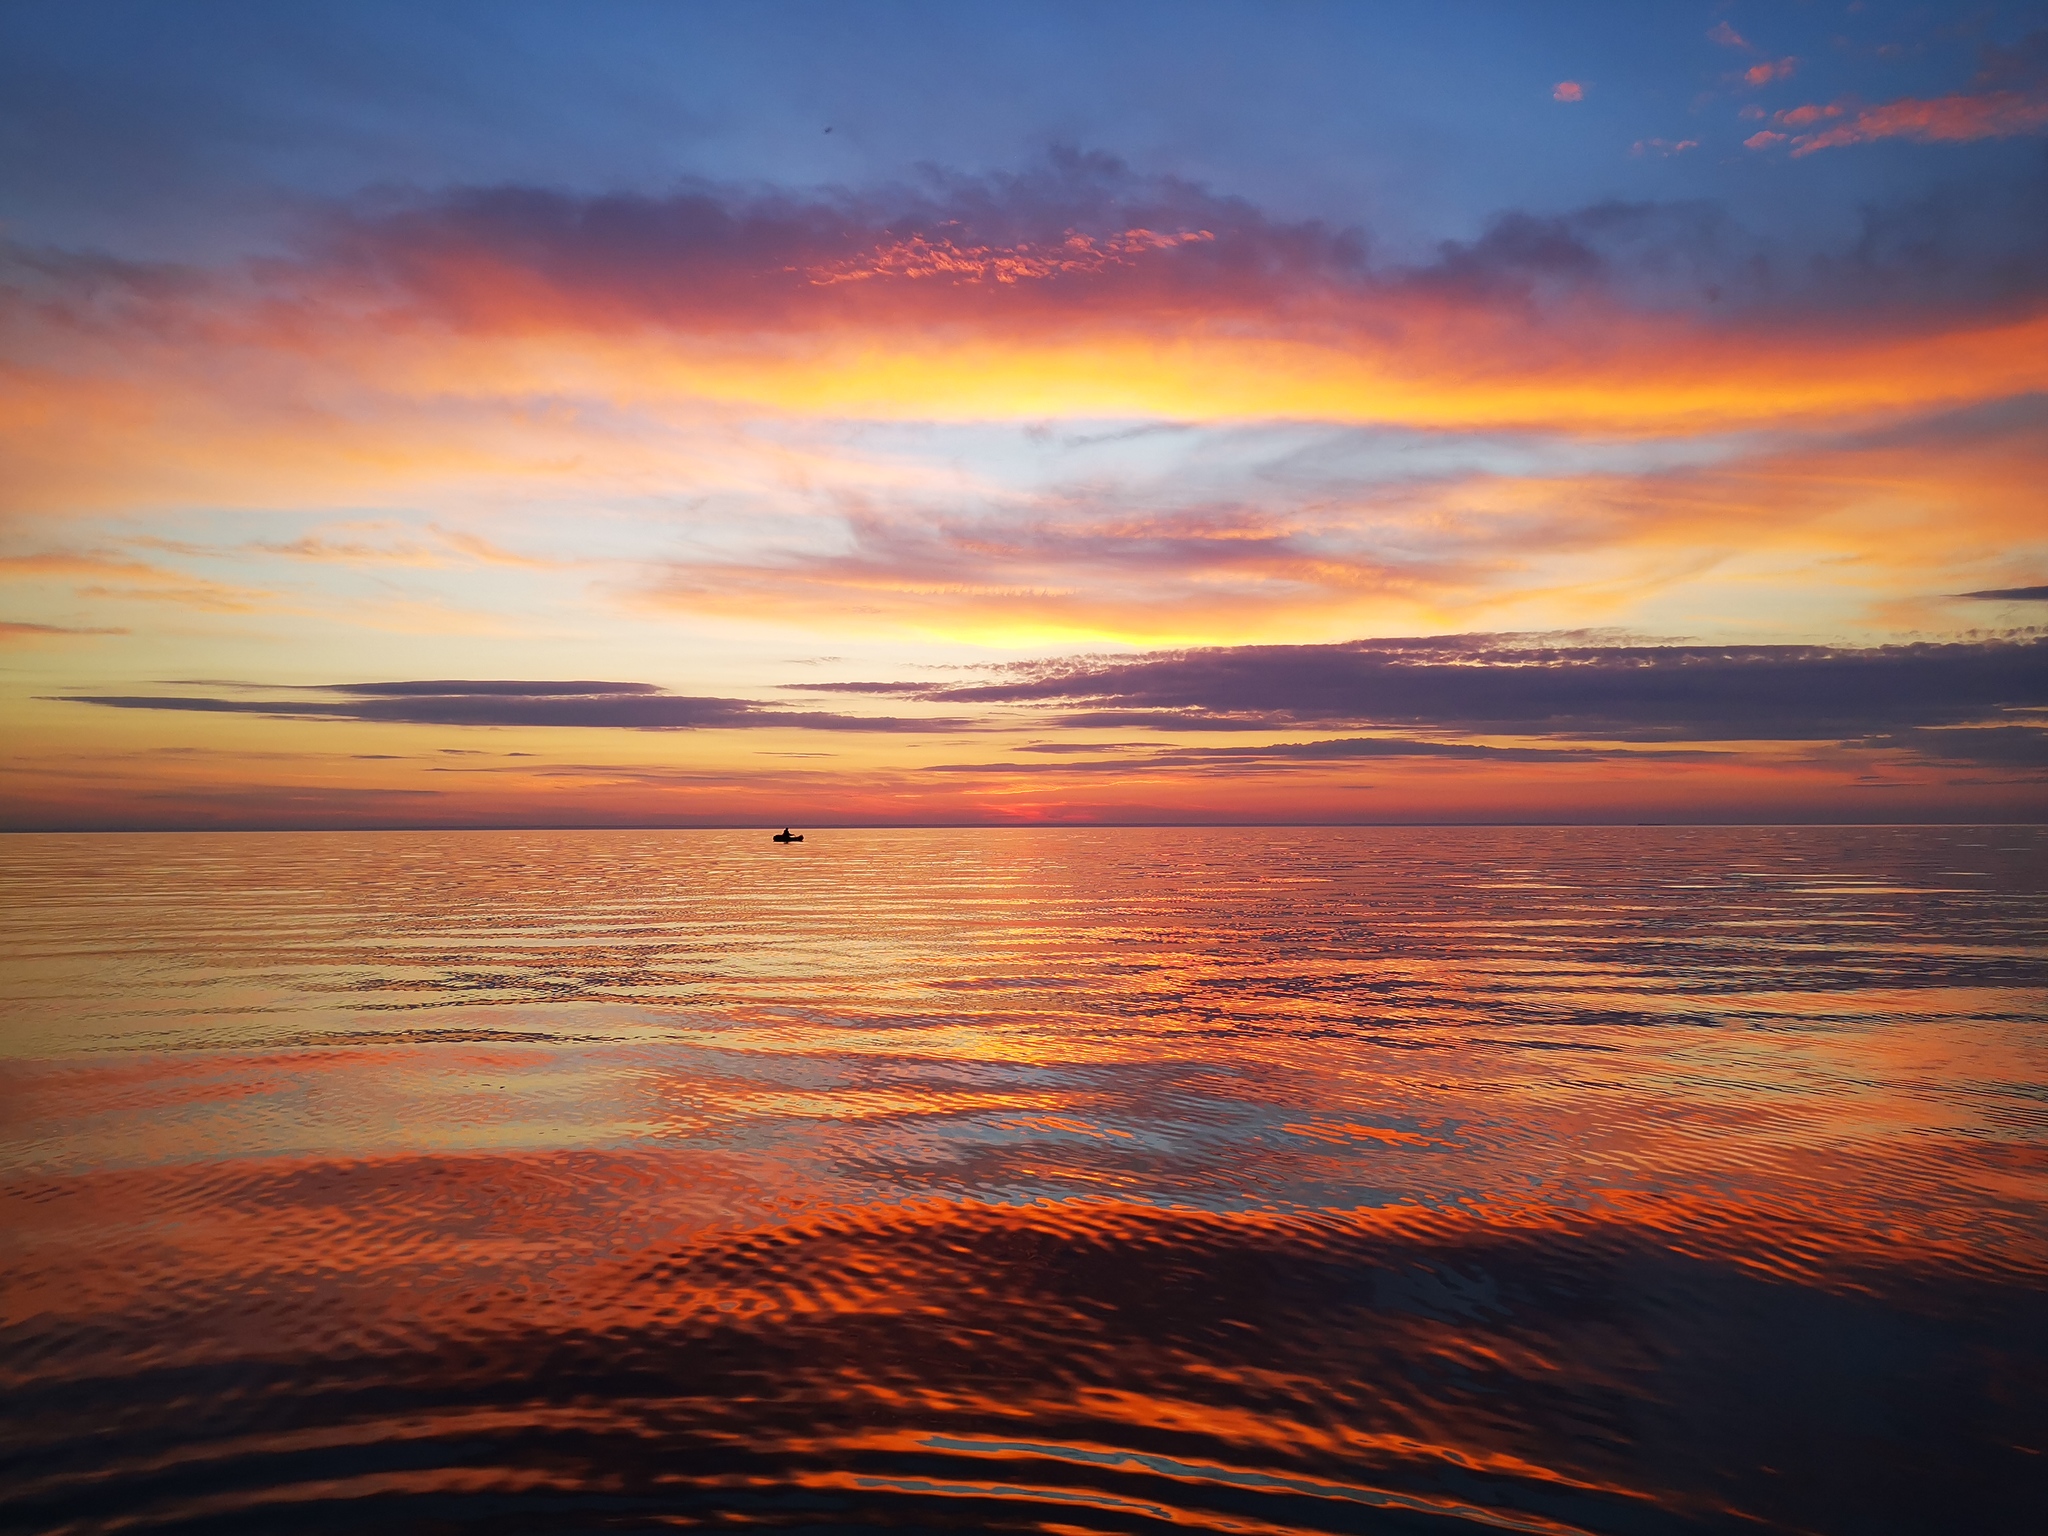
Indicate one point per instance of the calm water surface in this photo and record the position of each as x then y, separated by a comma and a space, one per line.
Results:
1631, 1181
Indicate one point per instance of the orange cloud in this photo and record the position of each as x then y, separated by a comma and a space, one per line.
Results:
412, 414
1591, 368
603, 403
512, 338
18, 632
114, 577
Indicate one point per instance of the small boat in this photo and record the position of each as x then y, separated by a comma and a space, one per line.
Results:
787, 836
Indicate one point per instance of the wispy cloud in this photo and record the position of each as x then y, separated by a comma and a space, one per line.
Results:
388, 544
111, 575
2008, 98
1282, 756
1304, 534
588, 705
19, 630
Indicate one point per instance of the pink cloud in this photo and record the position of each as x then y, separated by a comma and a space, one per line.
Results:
1764, 140
1939, 120
2008, 98
1766, 72
1803, 117
1665, 147
1727, 36
1568, 90
918, 257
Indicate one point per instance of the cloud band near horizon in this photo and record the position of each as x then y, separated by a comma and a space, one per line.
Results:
1493, 685
500, 702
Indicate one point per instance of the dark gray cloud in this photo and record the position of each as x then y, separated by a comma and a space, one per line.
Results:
1543, 686
1952, 702
2010, 595
718, 256
598, 705
2000, 746
1292, 754
712, 256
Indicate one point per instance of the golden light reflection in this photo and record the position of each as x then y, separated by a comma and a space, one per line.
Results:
1242, 1174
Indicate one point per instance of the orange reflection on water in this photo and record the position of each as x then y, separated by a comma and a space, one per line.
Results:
1238, 1179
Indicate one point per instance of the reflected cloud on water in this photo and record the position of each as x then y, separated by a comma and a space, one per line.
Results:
1630, 1180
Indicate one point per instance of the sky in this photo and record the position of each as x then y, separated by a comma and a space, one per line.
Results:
440, 414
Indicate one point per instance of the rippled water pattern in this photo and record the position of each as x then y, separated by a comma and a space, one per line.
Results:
1635, 1181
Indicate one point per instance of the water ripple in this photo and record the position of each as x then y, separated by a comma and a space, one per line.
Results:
1629, 1181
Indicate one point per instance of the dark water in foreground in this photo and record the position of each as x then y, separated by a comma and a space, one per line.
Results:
1644, 1180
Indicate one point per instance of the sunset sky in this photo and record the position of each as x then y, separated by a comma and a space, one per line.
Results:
441, 414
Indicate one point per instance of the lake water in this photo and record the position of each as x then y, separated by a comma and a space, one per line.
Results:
1634, 1180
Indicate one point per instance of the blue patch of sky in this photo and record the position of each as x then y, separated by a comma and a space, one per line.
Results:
190, 130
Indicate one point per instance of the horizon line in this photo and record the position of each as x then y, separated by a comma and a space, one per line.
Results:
981, 826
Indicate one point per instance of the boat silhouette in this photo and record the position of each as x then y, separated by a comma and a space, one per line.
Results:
787, 836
